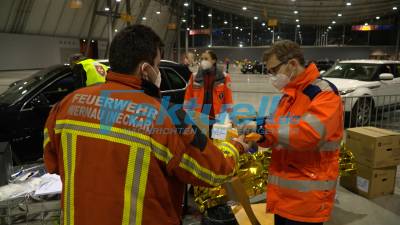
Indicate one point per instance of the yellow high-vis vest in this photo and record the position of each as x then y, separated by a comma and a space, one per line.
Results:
95, 71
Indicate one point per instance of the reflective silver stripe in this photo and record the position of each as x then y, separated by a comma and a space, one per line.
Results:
330, 146
315, 123
113, 134
68, 186
283, 135
137, 179
302, 185
198, 172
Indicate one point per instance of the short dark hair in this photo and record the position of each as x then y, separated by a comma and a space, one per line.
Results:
284, 51
132, 45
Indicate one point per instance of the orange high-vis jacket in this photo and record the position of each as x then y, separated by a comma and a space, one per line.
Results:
305, 135
221, 93
118, 165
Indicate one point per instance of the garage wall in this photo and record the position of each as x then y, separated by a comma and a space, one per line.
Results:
20, 52
333, 53
34, 50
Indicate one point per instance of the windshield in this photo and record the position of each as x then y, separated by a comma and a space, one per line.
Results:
356, 71
24, 86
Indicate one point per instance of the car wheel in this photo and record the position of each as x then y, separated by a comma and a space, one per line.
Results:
361, 112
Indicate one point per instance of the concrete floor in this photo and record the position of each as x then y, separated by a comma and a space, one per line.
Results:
350, 209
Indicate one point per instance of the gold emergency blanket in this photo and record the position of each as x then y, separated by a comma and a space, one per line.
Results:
253, 172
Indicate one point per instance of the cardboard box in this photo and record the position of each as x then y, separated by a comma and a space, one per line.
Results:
370, 182
374, 147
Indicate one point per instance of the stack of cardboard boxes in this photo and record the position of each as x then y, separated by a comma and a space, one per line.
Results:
377, 152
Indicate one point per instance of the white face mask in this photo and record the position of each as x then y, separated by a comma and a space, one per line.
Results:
206, 65
157, 80
280, 80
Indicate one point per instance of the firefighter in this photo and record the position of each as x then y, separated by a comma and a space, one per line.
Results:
89, 70
305, 134
209, 90
123, 157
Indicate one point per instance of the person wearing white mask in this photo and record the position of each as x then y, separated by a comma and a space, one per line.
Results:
304, 134
210, 89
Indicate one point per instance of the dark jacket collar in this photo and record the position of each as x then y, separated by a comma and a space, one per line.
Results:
219, 76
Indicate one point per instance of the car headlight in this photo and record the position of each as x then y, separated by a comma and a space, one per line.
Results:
345, 92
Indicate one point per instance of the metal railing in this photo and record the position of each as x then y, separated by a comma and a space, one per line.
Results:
381, 111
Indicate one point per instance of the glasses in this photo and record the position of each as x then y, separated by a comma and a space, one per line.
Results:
276, 68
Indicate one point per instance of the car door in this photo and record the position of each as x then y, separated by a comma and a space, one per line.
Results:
34, 112
388, 88
172, 85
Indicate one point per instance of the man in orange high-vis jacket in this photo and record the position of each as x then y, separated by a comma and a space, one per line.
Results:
209, 90
122, 158
305, 134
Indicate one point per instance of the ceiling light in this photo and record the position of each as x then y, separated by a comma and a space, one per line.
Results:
92, 41
394, 8
186, 4
333, 22
106, 9
244, 8
269, 28
225, 22
298, 25
297, 20
365, 24
202, 26
188, 29
236, 28
183, 20
116, 30
144, 18
241, 29
329, 27
339, 14
209, 15
295, 12
118, 0
256, 17
249, 33
377, 17
263, 24
158, 12
348, 3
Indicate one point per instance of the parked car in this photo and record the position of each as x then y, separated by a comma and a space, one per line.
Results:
247, 68
24, 107
255, 67
324, 65
364, 86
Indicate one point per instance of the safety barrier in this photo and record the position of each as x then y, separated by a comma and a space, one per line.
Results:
379, 111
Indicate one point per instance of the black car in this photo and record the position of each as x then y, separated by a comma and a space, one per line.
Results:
251, 67
25, 105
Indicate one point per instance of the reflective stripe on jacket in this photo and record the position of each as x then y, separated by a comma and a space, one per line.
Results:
221, 93
95, 71
118, 165
305, 135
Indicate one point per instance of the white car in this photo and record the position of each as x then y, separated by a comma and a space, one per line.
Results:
366, 86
